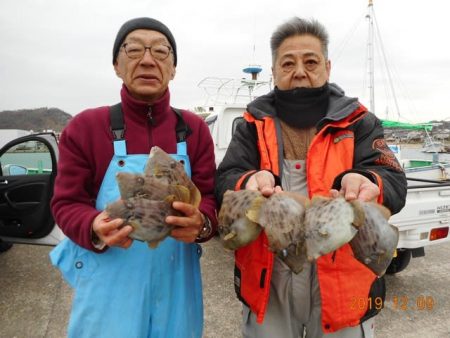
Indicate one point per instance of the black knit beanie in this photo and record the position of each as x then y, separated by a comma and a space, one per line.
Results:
143, 23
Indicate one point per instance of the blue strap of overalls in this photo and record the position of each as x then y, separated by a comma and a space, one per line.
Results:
118, 130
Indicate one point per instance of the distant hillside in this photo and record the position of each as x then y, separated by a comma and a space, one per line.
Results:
34, 119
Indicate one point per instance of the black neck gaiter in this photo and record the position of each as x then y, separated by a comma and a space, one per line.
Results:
302, 107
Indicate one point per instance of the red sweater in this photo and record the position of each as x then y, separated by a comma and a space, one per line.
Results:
86, 149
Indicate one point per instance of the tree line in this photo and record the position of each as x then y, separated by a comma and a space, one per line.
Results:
38, 119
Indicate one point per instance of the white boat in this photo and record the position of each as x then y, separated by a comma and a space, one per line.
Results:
420, 171
226, 101
432, 146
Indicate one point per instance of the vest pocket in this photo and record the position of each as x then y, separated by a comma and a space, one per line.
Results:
262, 279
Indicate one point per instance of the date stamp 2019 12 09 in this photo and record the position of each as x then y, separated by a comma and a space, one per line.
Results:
397, 302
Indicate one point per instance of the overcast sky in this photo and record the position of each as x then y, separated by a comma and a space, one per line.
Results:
57, 53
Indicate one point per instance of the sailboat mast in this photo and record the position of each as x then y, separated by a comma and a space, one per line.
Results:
370, 52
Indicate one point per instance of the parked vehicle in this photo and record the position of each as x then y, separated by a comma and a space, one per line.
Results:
27, 175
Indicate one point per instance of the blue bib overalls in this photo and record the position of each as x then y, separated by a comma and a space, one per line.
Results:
136, 292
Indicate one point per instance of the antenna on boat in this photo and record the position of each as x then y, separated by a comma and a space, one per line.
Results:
371, 59
370, 56
254, 70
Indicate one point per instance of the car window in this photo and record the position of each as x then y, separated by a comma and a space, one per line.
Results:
26, 158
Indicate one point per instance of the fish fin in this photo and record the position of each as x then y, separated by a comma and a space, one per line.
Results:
125, 222
395, 229
318, 199
229, 236
322, 233
134, 223
181, 193
170, 199
255, 208
307, 203
359, 215
301, 199
383, 210
158, 172
196, 196
153, 244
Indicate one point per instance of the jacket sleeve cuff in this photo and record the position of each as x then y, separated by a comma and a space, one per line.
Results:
240, 184
96, 242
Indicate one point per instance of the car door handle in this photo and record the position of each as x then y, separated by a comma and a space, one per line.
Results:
4, 182
13, 205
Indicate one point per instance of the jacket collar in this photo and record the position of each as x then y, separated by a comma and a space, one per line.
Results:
139, 110
339, 108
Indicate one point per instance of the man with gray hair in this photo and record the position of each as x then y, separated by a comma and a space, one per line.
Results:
306, 136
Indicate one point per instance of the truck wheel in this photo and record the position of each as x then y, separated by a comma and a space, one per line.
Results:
400, 262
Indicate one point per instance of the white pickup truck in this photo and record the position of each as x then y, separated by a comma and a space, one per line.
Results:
423, 221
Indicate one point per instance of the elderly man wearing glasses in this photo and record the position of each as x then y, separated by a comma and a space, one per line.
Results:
122, 287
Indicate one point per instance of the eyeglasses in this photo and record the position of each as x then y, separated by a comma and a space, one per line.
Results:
136, 50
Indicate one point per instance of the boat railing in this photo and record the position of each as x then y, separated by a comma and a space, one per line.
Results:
222, 91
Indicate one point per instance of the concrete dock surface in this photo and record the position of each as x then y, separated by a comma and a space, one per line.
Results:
35, 301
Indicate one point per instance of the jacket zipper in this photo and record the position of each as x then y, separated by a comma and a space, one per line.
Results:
149, 116
151, 122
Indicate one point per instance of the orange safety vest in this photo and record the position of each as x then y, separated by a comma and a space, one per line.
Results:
344, 282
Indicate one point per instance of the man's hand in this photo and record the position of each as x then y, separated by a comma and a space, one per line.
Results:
356, 186
108, 231
263, 181
187, 227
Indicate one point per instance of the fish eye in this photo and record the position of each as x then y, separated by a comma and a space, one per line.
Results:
140, 180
